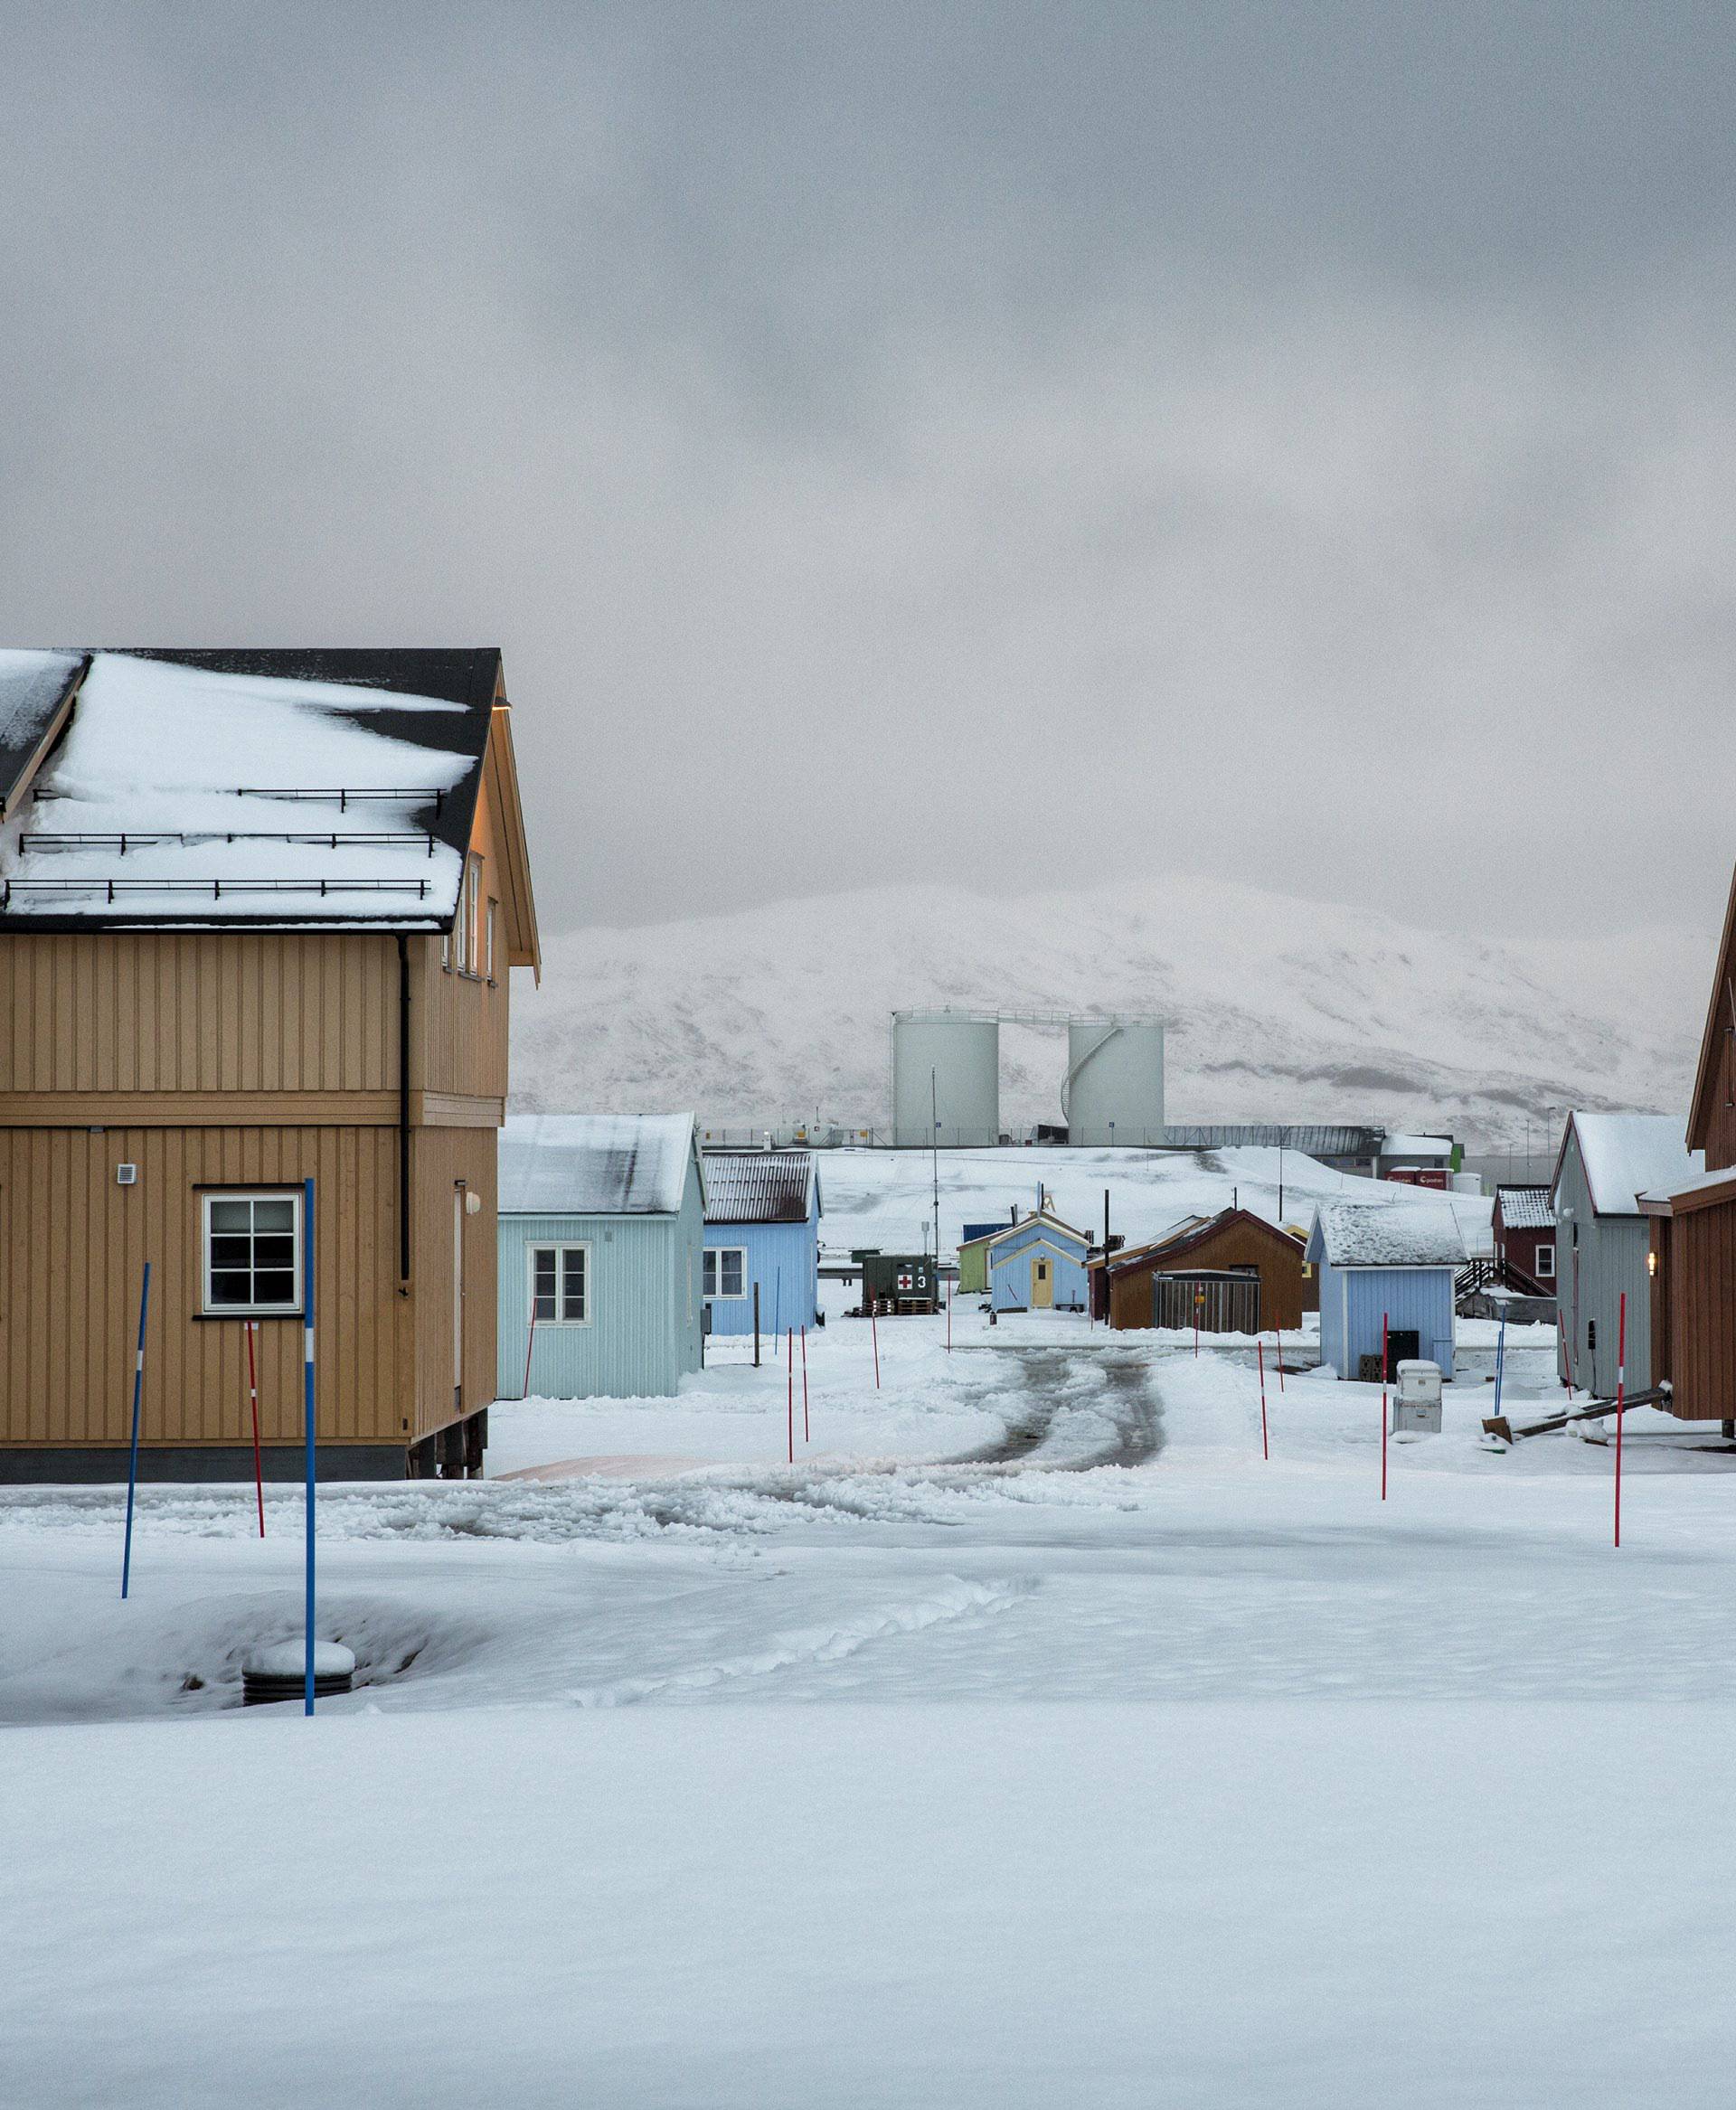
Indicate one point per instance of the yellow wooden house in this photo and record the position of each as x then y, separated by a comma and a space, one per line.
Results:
259, 911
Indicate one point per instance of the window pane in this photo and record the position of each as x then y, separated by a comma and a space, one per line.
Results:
573, 1283
277, 1212
230, 1215
230, 1251
711, 1274
543, 1281
276, 1250
731, 1266
231, 1287
274, 1286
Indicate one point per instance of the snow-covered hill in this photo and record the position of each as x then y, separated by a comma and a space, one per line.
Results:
1281, 1010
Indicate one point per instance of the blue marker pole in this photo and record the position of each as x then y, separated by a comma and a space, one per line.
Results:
1500, 1358
308, 1426
132, 1468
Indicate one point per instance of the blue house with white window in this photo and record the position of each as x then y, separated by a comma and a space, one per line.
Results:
762, 1225
602, 1223
1386, 1262
1038, 1265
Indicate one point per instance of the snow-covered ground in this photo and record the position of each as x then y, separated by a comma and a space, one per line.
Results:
1032, 1740
886, 1198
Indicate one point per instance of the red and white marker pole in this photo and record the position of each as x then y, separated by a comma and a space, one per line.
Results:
1621, 1398
874, 1328
1265, 1446
253, 1401
1279, 1332
1384, 1416
805, 1438
949, 1318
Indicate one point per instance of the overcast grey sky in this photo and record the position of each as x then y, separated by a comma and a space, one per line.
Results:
1291, 441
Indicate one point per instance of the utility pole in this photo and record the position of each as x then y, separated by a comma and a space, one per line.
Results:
934, 1112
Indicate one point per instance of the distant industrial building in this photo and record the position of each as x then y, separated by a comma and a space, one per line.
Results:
763, 1218
946, 1089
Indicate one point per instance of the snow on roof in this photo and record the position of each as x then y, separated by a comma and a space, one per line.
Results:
1720, 1177
1626, 1155
1375, 1234
247, 797
31, 684
594, 1165
1432, 1147
1039, 1219
760, 1186
1525, 1208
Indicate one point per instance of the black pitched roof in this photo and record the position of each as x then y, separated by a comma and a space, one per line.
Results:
467, 677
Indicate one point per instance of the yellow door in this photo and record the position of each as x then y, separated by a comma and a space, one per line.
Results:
1043, 1288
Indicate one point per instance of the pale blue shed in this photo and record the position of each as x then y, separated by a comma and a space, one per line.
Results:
601, 1234
762, 1230
1385, 1260
1039, 1264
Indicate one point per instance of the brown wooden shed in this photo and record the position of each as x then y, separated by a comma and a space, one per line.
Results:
256, 924
1235, 1239
1692, 1255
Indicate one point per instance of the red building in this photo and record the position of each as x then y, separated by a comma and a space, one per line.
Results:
1524, 1237
1693, 1258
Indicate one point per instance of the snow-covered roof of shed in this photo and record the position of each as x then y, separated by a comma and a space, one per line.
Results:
1720, 1177
594, 1165
760, 1186
268, 787
1525, 1208
1626, 1156
1386, 1234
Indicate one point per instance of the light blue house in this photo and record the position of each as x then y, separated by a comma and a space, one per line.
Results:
602, 1233
763, 1225
1385, 1260
1038, 1265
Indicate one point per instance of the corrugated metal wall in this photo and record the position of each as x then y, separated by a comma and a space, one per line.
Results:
1009, 1270
1597, 1258
784, 1258
643, 1332
1353, 1300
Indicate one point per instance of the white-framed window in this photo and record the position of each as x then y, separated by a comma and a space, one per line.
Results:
1545, 1262
466, 929
726, 1271
560, 1284
251, 1248
489, 940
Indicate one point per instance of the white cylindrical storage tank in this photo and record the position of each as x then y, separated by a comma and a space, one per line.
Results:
945, 1070
1114, 1092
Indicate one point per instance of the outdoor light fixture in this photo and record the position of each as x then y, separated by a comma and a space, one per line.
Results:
1651, 1263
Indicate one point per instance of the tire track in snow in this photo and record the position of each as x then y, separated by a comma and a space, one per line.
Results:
815, 1644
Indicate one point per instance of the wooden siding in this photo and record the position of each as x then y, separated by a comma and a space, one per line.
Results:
442, 1158
1284, 1295
179, 1012
170, 1026
73, 1247
1597, 1258
784, 1260
1353, 1301
1694, 1312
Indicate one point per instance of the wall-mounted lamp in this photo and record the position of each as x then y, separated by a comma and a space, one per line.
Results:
1651, 1263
